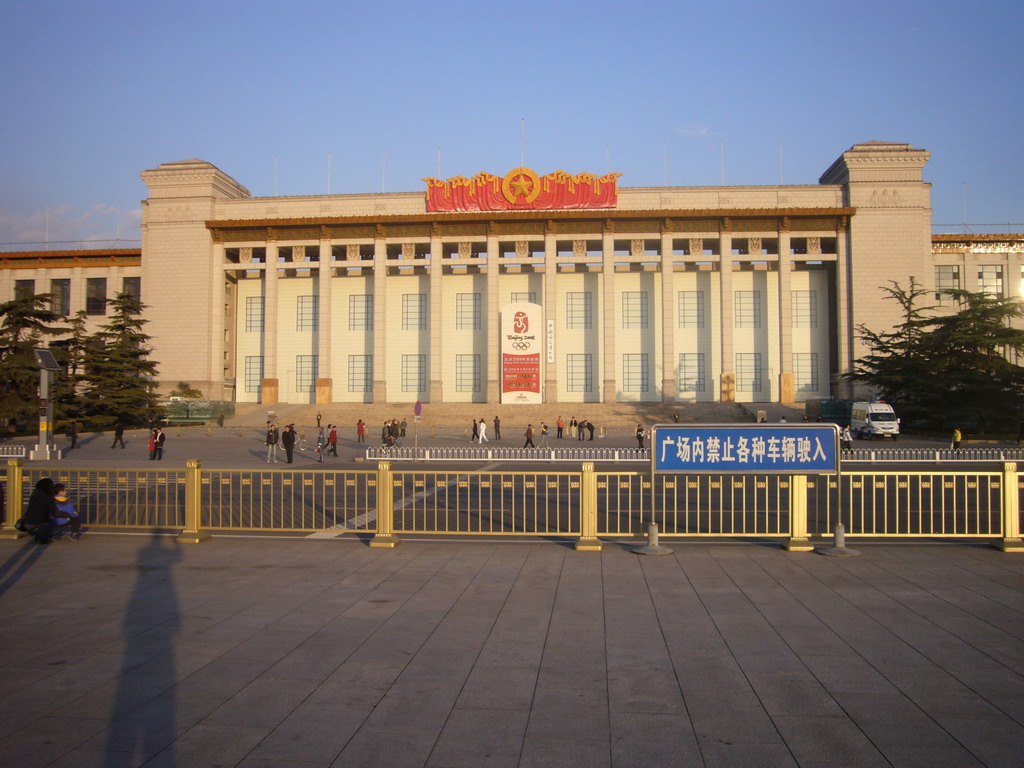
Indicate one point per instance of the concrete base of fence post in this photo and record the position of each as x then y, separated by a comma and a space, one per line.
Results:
589, 544
839, 548
1009, 545
652, 547
385, 541
191, 537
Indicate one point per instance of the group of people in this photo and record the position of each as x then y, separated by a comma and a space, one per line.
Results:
479, 432
326, 442
578, 429
392, 431
157, 438
49, 513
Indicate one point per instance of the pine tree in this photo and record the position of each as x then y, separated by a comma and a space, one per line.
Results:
25, 325
948, 370
70, 353
120, 379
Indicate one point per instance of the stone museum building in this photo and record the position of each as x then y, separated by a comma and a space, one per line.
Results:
523, 287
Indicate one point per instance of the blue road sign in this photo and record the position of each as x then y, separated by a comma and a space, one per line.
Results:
747, 448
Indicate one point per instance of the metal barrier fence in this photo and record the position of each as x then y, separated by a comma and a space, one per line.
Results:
504, 453
585, 505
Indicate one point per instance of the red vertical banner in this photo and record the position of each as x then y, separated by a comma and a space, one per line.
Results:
521, 344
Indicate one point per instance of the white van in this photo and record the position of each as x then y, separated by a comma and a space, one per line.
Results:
875, 419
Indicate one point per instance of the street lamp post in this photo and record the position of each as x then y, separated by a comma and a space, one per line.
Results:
48, 368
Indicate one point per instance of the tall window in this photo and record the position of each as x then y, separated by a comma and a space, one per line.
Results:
578, 372
24, 288
691, 309
253, 373
634, 309
360, 373
254, 313
360, 312
578, 310
60, 296
805, 309
805, 371
305, 373
990, 279
414, 373
947, 277
521, 296
96, 295
307, 313
467, 373
634, 372
749, 377
132, 286
414, 311
747, 308
691, 372
467, 311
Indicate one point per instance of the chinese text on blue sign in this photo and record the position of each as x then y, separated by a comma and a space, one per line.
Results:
761, 448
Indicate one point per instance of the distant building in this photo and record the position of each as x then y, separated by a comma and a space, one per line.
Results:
557, 287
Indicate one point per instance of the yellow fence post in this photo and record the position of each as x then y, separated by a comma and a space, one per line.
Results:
385, 536
14, 500
1011, 511
798, 540
193, 499
588, 541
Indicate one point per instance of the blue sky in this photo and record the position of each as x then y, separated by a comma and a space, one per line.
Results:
95, 93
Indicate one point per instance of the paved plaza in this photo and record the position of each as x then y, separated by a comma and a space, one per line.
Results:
130, 650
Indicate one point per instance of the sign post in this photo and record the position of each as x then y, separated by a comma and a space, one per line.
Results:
48, 368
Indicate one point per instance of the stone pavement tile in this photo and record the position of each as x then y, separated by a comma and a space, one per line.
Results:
825, 742
476, 738
222, 678
559, 713
786, 693
942, 694
498, 688
311, 662
737, 725
713, 674
516, 640
356, 683
209, 745
892, 719
263, 703
269, 646
644, 740
565, 751
45, 740
995, 741
847, 674
644, 691
948, 756
255, 762
420, 706
746, 755
152, 726
313, 732
379, 748
459, 635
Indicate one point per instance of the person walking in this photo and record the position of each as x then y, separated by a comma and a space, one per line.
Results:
956, 439
73, 435
272, 440
528, 434
476, 432
497, 428
321, 444
544, 435
360, 431
640, 432
560, 427
118, 434
847, 438
332, 439
482, 431
288, 442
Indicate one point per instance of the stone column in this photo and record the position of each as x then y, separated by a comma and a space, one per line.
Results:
325, 379
380, 274
435, 380
218, 324
550, 302
787, 387
606, 311
726, 321
493, 322
669, 319
271, 384
844, 331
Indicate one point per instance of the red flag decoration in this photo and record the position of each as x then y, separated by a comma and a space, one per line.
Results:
521, 189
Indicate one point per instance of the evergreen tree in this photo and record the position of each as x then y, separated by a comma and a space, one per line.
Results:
70, 353
119, 376
948, 370
25, 324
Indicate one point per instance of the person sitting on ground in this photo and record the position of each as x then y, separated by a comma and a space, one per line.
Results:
68, 513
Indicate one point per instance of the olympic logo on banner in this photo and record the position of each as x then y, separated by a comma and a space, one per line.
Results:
521, 322
522, 346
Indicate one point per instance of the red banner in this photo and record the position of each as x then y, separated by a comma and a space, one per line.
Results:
521, 189
520, 373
